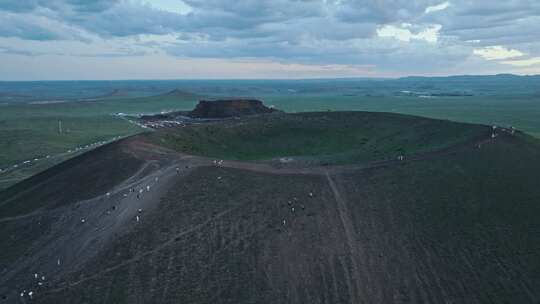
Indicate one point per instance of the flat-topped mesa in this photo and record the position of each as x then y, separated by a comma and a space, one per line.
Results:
224, 108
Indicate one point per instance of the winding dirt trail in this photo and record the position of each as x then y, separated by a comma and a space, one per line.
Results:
265, 167
144, 254
348, 228
143, 147
163, 164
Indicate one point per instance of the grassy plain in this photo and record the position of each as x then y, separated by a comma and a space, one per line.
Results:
521, 111
31, 130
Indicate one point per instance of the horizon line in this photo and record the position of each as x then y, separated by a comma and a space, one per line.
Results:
275, 79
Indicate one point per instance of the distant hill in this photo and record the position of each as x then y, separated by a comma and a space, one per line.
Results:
223, 108
178, 93
472, 85
480, 78
216, 109
118, 93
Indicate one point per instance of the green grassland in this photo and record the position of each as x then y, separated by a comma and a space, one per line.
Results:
25, 137
321, 137
521, 111
31, 130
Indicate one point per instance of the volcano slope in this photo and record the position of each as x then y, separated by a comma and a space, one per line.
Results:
341, 221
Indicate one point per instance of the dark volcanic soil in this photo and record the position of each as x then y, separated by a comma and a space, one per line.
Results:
216, 109
229, 108
440, 229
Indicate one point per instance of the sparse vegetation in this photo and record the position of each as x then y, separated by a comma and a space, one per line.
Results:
24, 126
326, 137
28, 131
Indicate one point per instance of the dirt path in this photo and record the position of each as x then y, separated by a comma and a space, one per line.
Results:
20, 217
163, 164
348, 228
133, 181
196, 161
139, 256
99, 227
324, 170
82, 148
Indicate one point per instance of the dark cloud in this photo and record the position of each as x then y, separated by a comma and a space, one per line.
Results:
219, 19
18, 6
501, 22
381, 11
74, 5
126, 20
15, 26
303, 31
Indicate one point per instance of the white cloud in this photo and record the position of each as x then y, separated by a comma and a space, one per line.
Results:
497, 52
438, 7
157, 66
173, 6
429, 37
404, 33
524, 62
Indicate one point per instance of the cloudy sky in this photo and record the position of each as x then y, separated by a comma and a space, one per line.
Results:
174, 39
